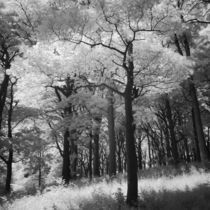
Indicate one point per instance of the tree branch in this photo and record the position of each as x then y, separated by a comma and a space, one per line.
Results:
4, 159
90, 84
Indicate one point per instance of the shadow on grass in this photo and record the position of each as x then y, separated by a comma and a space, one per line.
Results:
196, 199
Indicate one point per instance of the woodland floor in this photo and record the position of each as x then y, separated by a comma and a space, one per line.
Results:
159, 189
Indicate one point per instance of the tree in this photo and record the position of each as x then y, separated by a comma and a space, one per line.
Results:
119, 37
66, 91
185, 48
8, 161
9, 43
114, 28
12, 148
33, 150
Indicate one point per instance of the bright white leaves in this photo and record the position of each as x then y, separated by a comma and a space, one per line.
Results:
158, 68
60, 20
155, 67
195, 10
153, 64
56, 58
30, 90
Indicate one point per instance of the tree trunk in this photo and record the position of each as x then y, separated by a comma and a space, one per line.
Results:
208, 140
96, 158
10, 158
121, 141
149, 150
73, 154
172, 131
132, 191
120, 170
40, 170
107, 166
139, 155
9, 172
125, 161
167, 142
66, 176
163, 153
3, 95
186, 148
183, 137
111, 130
198, 124
90, 158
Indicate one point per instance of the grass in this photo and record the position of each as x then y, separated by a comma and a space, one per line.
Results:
189, 191
189, 199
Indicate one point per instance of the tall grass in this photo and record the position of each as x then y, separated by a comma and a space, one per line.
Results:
181, 192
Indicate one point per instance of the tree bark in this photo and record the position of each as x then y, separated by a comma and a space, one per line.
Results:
10, 158
40, 169
96, 158
73, 154
149, 151
111, 130
139, 155
120, 144
9, 172
183, 137
163, 153
186, 148
90, 157
208, 140
132, 191
66, 176
3, 95
172, 131
198, 124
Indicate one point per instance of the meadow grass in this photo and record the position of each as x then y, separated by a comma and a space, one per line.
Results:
186, 191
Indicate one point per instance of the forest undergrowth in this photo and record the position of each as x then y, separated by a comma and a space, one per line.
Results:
159, 189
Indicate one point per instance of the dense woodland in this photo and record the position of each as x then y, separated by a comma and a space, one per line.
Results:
94, 88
